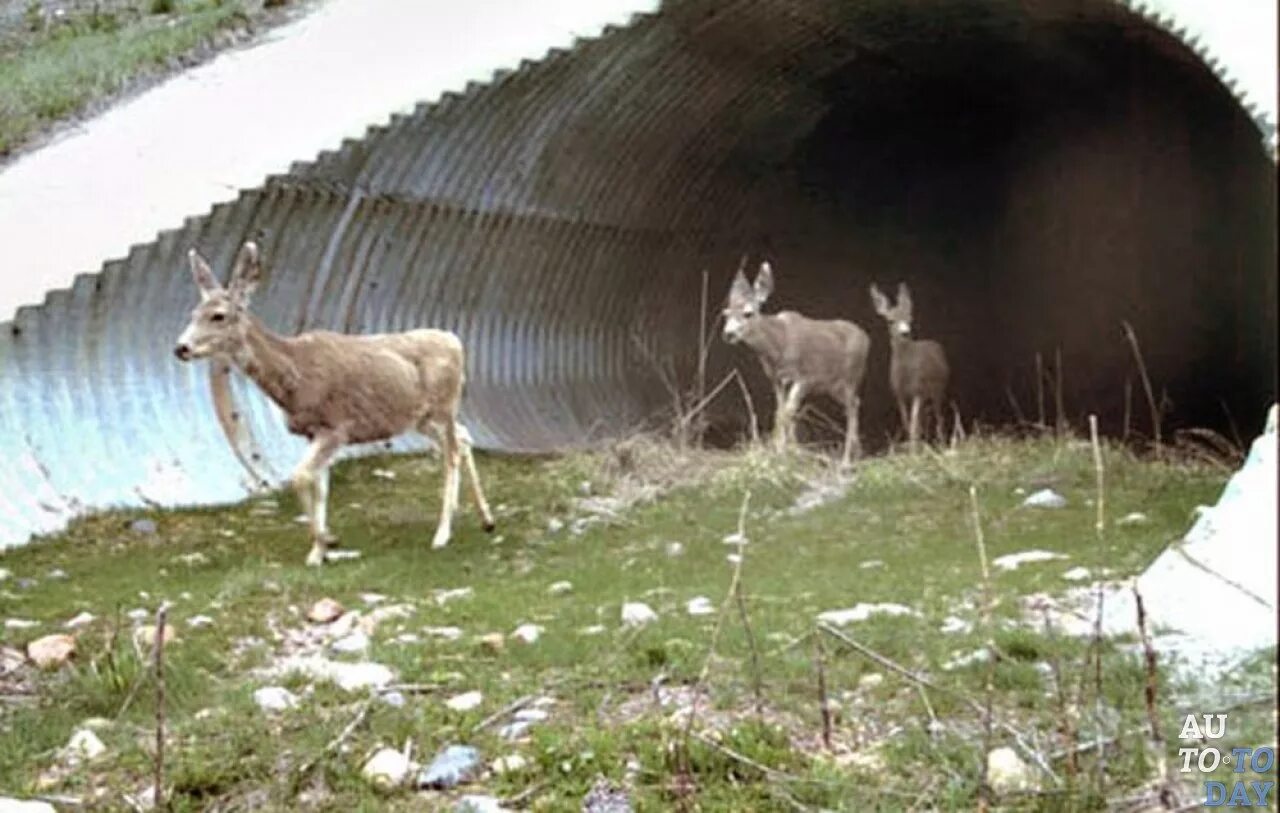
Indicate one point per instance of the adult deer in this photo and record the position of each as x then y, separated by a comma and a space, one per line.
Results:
338, 389
918, 369
800, 356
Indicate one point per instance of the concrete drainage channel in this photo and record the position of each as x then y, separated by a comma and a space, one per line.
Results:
1037, 172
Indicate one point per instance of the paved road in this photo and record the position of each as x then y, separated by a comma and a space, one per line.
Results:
198, 138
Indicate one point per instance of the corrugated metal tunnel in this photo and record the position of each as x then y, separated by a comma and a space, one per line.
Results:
1037, 172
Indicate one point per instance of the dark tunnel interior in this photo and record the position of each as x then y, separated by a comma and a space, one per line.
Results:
1036, 186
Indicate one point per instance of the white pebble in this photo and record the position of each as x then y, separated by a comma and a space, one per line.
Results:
465, 701
637, 614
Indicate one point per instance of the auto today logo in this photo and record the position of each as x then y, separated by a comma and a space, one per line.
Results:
1240, 793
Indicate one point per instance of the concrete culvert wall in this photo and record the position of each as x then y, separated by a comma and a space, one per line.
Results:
1037, 172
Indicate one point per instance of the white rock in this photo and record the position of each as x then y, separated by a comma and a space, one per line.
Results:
560, 588
675, 549
531, 715
344, 626
735, 538
700, 605
143, 800
353, 644
443, 597
20, 624
734, 558
350, 677
1076, 574
384, 474
594, 629
5, 574
870, 563
1012, 561
1133, 518
387, 768
511, 763
138, 614
196, 558
870, 680
84, 746
51, 650
325, 611
1045, 498
80, 620
372, 598
341, 555
10, 805
275, 698
863, 611
1007, 772
952, 624
527, 633
387, 613
406, 638
967, 659
554, 525
465, 701
637, 614
198, 621
474, 803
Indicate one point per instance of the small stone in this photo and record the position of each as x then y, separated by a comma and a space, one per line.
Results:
25, 583
138, 614
51, 651
57, 575
863, 611
394, 699
605, 797
451, 767
84, 746
637, 614
675, 549
531, 715
511, 763
144, 527
387, 768
20, 624
734, 558
145, 636
1045, 498
527, 633
870, 563
82, 619
700, 606
446, 633
406, 638
1012, 561
514, 730
353, 644
560, 588
1077, 574
870, 680
372, 598
383, 474
1133, 518
554, 525
594, 629
193, 559
199, 621
443, 597
5, 574
473, 803
1007, 772
341, 555
142, 800
10, 805
735, 538
465, 701
493, 642
11, 659
951, 625
325, 611
275, 698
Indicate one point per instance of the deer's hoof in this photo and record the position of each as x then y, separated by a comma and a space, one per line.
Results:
439, 541
315, 558
490, 526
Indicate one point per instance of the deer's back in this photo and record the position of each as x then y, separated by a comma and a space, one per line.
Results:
829, 354
378, 385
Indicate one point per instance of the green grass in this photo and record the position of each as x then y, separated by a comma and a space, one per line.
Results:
911, 514
56, 72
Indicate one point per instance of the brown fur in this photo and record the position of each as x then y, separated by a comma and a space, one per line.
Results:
918, 370
337, 389
800, 356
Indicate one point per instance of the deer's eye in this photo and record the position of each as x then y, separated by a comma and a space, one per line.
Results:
218, 317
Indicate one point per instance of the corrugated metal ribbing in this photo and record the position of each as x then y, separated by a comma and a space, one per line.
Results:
556, 218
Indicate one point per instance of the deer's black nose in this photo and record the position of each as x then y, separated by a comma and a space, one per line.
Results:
182, 352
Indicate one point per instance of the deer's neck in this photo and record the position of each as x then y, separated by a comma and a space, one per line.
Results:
767, 337
267, 358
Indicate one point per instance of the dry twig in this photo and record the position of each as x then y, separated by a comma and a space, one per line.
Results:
1146, 382
988, 694
161, 616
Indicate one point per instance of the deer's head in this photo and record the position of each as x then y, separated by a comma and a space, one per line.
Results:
898, 316
742, 307
220, 323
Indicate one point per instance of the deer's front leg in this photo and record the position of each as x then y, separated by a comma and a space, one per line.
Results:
791, 406
913, 433
311, 482
779, 415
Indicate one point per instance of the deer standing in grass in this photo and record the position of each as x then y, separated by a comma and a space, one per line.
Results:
918, 369
800, 356
338, 389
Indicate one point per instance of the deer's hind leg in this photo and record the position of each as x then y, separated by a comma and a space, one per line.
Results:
311, 482
473, 479
446, 436
852, 442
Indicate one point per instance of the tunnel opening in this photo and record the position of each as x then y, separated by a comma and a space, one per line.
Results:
1038, 183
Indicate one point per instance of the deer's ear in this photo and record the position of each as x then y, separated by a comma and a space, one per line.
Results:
740, 290
904, 296
247, 273
878, 300
764, 283
202, 273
